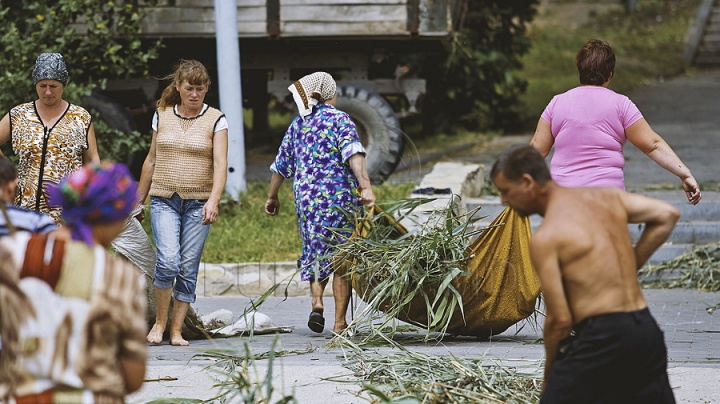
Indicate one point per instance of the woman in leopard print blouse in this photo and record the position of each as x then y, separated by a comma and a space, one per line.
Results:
50, 136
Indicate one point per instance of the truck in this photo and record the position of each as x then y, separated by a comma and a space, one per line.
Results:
358, 41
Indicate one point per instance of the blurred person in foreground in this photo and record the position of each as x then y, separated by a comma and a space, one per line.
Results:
50, 136
15, 217
588, 267
73, 316
184, 174
322, 152
590, 124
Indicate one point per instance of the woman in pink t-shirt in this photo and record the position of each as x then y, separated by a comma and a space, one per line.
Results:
590, 124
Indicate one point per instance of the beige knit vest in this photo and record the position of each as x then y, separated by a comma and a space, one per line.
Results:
184, 155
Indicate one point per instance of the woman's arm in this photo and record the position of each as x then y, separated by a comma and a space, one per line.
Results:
272, 206
220, 165
148, 169
644, 138
91, 154
4, 131
543, 139
357, 164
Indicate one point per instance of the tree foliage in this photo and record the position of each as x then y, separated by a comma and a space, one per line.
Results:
99, 39
477, 86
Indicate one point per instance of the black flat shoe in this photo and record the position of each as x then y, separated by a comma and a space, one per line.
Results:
316, 322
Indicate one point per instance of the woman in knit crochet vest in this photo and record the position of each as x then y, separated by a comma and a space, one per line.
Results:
184, 174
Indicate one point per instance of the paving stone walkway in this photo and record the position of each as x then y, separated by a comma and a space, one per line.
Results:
692, 336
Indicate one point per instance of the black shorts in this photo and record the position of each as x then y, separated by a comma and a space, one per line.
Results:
612, 358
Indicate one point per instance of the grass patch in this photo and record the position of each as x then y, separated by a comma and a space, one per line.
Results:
648, 45
443, 141
247, 234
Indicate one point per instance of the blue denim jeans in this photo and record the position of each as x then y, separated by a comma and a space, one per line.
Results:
180, 238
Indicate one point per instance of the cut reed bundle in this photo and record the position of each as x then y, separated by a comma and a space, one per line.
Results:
434, 277
412, 377
394, 270
240, 381
698, 269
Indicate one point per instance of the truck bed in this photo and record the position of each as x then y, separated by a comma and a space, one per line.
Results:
387, 19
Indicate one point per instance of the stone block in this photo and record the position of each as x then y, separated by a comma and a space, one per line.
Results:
253, 279
425, 215
464, 179
213, 280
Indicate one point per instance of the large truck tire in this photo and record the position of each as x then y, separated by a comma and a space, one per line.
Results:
378, 127
110, 111
116, 116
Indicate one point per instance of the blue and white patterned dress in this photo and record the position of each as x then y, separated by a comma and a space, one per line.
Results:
315, 153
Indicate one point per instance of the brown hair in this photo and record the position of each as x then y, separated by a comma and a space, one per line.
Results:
518, 160
595, 62
191, 71
8, 172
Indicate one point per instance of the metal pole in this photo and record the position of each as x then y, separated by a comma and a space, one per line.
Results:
631, 5
230, 85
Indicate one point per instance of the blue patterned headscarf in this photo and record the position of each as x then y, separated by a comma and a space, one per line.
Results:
96, 193
50, 66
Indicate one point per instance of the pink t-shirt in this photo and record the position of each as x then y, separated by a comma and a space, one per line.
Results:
588, 124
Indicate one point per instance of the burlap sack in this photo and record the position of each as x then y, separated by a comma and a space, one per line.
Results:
502, 287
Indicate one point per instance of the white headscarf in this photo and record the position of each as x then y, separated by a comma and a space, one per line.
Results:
319, 83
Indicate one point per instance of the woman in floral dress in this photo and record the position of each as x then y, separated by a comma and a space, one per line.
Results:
322, 152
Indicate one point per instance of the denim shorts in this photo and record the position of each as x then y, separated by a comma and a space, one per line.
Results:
180, 238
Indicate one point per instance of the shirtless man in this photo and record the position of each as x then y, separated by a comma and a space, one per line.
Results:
588, 270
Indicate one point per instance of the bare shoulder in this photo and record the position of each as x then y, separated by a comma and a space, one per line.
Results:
607, 193
572, 206
572, 214
546, 237
545, 251
593, 200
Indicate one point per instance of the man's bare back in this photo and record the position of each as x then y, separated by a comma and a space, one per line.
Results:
587, 229
588, 266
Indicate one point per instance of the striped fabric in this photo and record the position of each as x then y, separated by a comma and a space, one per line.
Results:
26, 220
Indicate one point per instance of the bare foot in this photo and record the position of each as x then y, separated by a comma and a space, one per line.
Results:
339, 327
155, 336
178, 340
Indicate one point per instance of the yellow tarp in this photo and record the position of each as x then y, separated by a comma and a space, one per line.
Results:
501, 288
